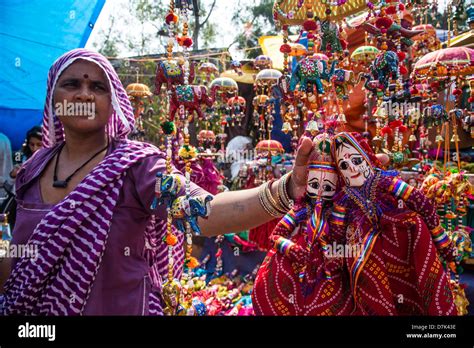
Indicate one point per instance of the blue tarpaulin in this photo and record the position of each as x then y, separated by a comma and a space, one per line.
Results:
32, 35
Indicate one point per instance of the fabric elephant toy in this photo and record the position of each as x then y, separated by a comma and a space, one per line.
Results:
311, 70
191, 97
342, 80
330, 40
434, 115
384, 68
171, 72
185, 211
166, 188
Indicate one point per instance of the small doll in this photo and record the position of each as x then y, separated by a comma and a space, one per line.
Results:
302, 275
395, 229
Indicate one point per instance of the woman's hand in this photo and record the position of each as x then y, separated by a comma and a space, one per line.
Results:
299, 176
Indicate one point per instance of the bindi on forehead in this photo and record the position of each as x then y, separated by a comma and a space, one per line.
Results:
86, 76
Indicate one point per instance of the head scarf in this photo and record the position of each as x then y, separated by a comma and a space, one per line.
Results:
121, 122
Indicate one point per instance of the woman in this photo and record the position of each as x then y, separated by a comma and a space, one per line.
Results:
32, 144
84, 203
395, 228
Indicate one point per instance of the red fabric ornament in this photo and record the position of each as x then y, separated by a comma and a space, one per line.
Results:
309, 25
401, 7
187, 42
402, 128
386, 130
403, 70
383, 22
391, 10
171, 18
401, 55
285, 48
457, 92
414, 91
395, 124
470, 99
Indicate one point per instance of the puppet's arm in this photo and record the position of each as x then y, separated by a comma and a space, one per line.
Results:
418, 202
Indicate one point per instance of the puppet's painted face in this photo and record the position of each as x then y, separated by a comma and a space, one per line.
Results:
353, 166
321, 184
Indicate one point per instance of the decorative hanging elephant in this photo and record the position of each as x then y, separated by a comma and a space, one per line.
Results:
311, 70
330, 40
342, 80
384, 68
191, 97
186, 211
435, 115
167, 186
171, 72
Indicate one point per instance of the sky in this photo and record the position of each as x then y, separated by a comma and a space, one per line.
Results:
221, 17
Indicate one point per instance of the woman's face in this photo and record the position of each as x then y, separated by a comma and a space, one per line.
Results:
353, 166
82, 98
321, 184
34, 144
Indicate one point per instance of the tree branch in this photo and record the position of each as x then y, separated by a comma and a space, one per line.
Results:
209, 14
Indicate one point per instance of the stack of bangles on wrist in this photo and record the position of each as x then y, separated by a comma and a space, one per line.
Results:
279, 205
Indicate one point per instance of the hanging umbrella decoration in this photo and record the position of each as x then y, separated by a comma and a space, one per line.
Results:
206, 139
363, 55
425, 42
263, 62
138, 93
208, 71
268, 94
222, 90
237, 110
446, 70
264, 167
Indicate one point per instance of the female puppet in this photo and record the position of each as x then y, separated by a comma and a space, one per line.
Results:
394, 227
304, 273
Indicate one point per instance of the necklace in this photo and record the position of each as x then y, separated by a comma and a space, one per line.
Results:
63, 183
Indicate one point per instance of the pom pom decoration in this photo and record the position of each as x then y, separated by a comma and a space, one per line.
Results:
171, 239
187, 152
171, 18
285, 48
168, 128
309, 25
383, 23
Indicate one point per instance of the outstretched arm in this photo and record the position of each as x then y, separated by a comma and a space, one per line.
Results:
241, 210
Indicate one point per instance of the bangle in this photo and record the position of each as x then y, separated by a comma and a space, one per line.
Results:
283, 245
267, 201
283, 195
275, 205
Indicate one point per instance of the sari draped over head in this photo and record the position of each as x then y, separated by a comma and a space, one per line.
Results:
71, 239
